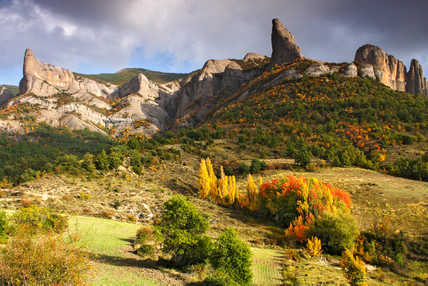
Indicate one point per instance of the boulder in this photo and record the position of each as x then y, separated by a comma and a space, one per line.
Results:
386, 68
351, 70
284, 46
5, 95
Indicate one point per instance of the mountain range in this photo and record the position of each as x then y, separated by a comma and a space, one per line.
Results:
139, 101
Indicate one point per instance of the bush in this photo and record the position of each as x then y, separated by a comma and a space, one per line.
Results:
182, 229
257, 166
412, 169
88, 163
233, 257
46, 260
102, 161
303, 158
243, 169
218, 279
337, 232
35, 220
354, 269
143, 242
382, 245
4, 227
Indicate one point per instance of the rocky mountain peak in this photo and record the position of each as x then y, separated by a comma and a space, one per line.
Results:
284, 46
375, 62
45, 80
416, 82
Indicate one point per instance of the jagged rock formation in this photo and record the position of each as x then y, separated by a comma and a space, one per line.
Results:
62, 98
200, 93
284, 46
375, 63
416, 82
45, 80
59, 97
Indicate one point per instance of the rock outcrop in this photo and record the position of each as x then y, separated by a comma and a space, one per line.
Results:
45, 80
375, 63
200, 93
416, 82
284, 46
5, 95
351, 70
254, 57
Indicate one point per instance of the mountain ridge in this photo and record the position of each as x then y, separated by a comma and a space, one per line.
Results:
140, 101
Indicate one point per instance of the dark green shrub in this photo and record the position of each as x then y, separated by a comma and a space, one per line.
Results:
102, 161
232, 256
88, 163
337, 232
303, 158
243, 169
218, 279
182, 230
35, 220
257, 166
412, 169
115, 159
69, 163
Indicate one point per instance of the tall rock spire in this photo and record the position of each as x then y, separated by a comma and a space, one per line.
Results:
416, 82
284, 46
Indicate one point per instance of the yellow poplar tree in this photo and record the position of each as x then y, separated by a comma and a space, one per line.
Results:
213, 179
204, 180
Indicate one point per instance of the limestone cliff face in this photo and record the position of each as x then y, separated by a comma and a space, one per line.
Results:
45, 80
284, 46
416, 82
199, 94
62, 98
65, 99
375, 63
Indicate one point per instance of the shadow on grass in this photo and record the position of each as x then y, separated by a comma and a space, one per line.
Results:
160, 265
126, 261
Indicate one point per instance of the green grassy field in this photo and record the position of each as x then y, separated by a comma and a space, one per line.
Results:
109, 245
108, 242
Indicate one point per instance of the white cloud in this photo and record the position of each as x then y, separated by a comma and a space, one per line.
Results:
103, 34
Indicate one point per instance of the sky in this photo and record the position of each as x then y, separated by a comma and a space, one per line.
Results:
97, 36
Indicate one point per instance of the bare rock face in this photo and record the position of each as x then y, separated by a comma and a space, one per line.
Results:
386, 68
45, 80
367, 71
351, 70
317, 69
416, 82
200, 93
284, 46
253, 57
5, 95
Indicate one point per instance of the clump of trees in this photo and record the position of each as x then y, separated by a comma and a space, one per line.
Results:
181, 231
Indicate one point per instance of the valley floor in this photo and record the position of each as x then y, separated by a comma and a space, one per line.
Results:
104, 211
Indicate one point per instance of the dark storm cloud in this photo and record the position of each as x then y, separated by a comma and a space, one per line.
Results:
105, 33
